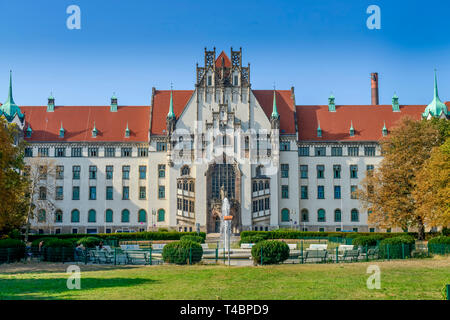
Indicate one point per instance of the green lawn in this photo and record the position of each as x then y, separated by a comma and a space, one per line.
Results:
408, 279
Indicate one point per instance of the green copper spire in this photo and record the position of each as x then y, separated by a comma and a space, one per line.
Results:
331, 104
127, 132
94, 131
395, 104
275, 114
171, 114
384, 131
9, 109
113, 107
51, 103
61, 131
352, 130
319, 131
436, 108
29, 131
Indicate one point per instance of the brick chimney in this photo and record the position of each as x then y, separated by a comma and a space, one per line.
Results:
374, 86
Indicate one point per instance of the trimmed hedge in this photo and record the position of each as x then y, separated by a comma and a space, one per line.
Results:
12, 244
397, 247
291, 234
440, 240
182, 252
197, 239
370, 241
251, 239
273, 252
439, 245
160, 235
88, 242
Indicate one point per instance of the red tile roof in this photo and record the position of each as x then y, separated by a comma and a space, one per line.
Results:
368, 121
160, 107
78, 122
285, 107
227, 60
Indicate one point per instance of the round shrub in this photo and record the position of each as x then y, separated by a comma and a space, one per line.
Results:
11, 250
181, 252
89, 242
273, 252
251, 239
197, 239
369, 241
397, 247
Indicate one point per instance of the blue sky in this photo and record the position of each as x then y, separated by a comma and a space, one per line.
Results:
130, 46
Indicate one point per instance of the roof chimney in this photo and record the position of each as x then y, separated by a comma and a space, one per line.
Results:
374, 86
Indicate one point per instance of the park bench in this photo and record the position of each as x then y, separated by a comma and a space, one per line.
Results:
316, 255
315, 246
351, 255
247, 245
137, 257
129, 246
158, 246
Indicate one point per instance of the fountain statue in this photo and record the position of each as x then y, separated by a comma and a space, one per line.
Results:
225, 225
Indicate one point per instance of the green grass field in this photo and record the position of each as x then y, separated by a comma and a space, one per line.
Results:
407, 279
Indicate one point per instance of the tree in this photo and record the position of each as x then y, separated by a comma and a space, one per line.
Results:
387, 193
13, 186
432, 192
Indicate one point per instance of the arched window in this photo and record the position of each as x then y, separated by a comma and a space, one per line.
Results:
125, 215
42, 216
191, 186
337, 215
92, 216
321, 215
109, 215
142, 216
261, 185
305, 215
266, 185
255, 186
355, 215
42, 193
185, 171
161, 215
185, 185
58, 216
75, 216
285, 215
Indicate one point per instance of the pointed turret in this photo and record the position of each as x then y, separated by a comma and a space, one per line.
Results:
275, 116
171, 114
61, 131
352, 130
395, 104
384, 131
331, 104
94, 131
10, 109
51, 103
436, 108
319, 131
29, 131
170, 119
127, 132
113, 103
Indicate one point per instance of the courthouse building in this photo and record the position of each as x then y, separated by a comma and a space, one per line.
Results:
169, 164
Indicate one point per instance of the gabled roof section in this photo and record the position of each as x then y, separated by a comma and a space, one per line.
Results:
226, 60
367, 121
285, 107
161, 105
79, 120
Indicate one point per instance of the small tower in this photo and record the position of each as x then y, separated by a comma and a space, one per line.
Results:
113, 103
61, 131
127, 132
331, 104
275, 117
10, 109
384, 131
94, 131
319, 131
170, 119
395, 104
28, 132
51, 103
352, 130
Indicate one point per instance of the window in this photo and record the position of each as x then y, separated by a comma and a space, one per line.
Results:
304, 192
125, 172
59, 193
161, 146
42, 193
321, 215
371, 229
76, 172
125, 193
353, 190
109, 193
255, 206
161, 170
58, 216
267, 203
142, 193
161, 192
336, 171
355, 215
42, 152
142, 216
41, 216
109, 215
285, 215
92, 193
28, 152
370, 168
126, 152
285, 145
75, 193
74, 230
209, 80
92, 216
93, 152
76, 152
320, 151
60, 152
125, 215
235, 80
43, 172
284, 170
336, 151
109, 172
59, 172
303, 151
353, 171
369, 151
320, 192
353, 151
142, 152
320, 171
305, 215
142, 172
93, 172
337, 192
185, 171
355, 229
110, 152
161, 215
285, 192
304, 172
337, 215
